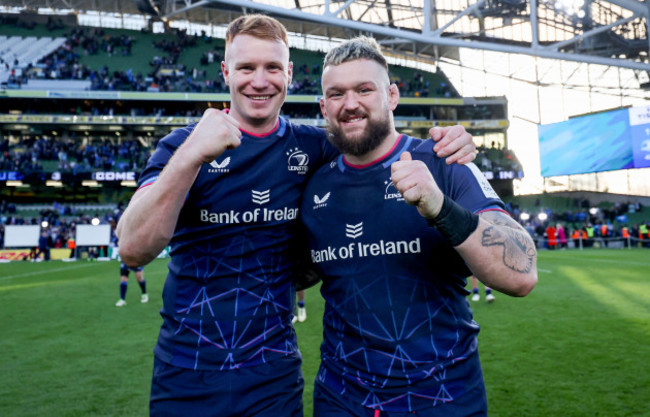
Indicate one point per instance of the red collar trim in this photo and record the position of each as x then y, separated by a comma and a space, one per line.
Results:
260, 135
399, 139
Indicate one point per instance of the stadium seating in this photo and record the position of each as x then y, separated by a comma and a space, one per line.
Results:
20, 53
124, 54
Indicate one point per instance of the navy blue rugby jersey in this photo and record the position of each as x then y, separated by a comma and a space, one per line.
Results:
398, 332
227, 299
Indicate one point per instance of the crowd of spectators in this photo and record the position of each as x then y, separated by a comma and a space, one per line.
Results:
167, 71
584, 226
418, 86
497, 159
70, 155
83, 155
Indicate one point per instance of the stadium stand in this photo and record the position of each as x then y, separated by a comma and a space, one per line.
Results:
115, 135
55, 57
168, 62
18, 54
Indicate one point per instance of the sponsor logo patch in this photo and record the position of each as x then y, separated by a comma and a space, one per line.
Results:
297, 161
219, 167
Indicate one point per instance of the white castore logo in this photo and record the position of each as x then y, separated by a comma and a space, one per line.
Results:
261, 197
353, 231
220, 166
320, 202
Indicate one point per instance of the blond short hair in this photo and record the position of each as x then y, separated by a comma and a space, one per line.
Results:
361, 47
259, 26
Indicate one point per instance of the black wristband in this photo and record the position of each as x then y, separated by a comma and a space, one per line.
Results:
454, 222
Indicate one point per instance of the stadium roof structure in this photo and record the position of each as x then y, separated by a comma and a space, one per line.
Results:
612, 33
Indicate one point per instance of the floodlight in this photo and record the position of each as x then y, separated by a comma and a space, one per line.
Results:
44, 224
94, 221
524, 216
542, 216
53, 183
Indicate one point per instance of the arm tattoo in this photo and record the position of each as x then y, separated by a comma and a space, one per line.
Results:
518, 247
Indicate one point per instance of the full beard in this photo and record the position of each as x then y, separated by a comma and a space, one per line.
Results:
372, 136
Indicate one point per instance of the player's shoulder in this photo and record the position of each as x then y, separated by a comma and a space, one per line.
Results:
421, 145
312, 140
306, 133
422, 149
177, 136
332, 167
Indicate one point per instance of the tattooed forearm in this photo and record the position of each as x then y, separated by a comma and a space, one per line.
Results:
501, 219
518, 248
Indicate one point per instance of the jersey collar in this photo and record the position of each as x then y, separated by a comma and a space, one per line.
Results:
401, 145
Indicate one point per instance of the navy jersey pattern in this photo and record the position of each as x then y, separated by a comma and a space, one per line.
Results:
227, 299
398, 332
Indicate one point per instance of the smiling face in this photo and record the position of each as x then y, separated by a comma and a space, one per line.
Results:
258, 73
358, 102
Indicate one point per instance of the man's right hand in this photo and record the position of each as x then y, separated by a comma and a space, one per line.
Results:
148, 223
215, 132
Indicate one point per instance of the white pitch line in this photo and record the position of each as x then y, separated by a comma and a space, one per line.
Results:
46, 271
548, 271
615, 261
590, 259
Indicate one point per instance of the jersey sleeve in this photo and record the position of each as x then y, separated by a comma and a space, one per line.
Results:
465, 184
471, 189
164, 151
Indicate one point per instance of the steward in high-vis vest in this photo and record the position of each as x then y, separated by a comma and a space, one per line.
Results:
643, 231
643, 234
625, 234
590, 236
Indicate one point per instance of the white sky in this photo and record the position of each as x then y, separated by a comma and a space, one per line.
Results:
586, 88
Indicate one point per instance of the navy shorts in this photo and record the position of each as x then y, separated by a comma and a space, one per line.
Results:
329, 404
124, 270
273, 389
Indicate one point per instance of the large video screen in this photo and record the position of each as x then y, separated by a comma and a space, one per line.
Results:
618, 139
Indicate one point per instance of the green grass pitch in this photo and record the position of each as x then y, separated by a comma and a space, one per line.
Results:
578, 345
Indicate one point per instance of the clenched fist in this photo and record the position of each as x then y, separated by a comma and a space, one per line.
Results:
215, 132
416, 184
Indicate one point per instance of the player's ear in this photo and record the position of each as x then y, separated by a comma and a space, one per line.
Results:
393, 96
290, 72
225, 72
322, 108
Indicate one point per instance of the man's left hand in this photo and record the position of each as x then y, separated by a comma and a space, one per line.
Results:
454, 143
